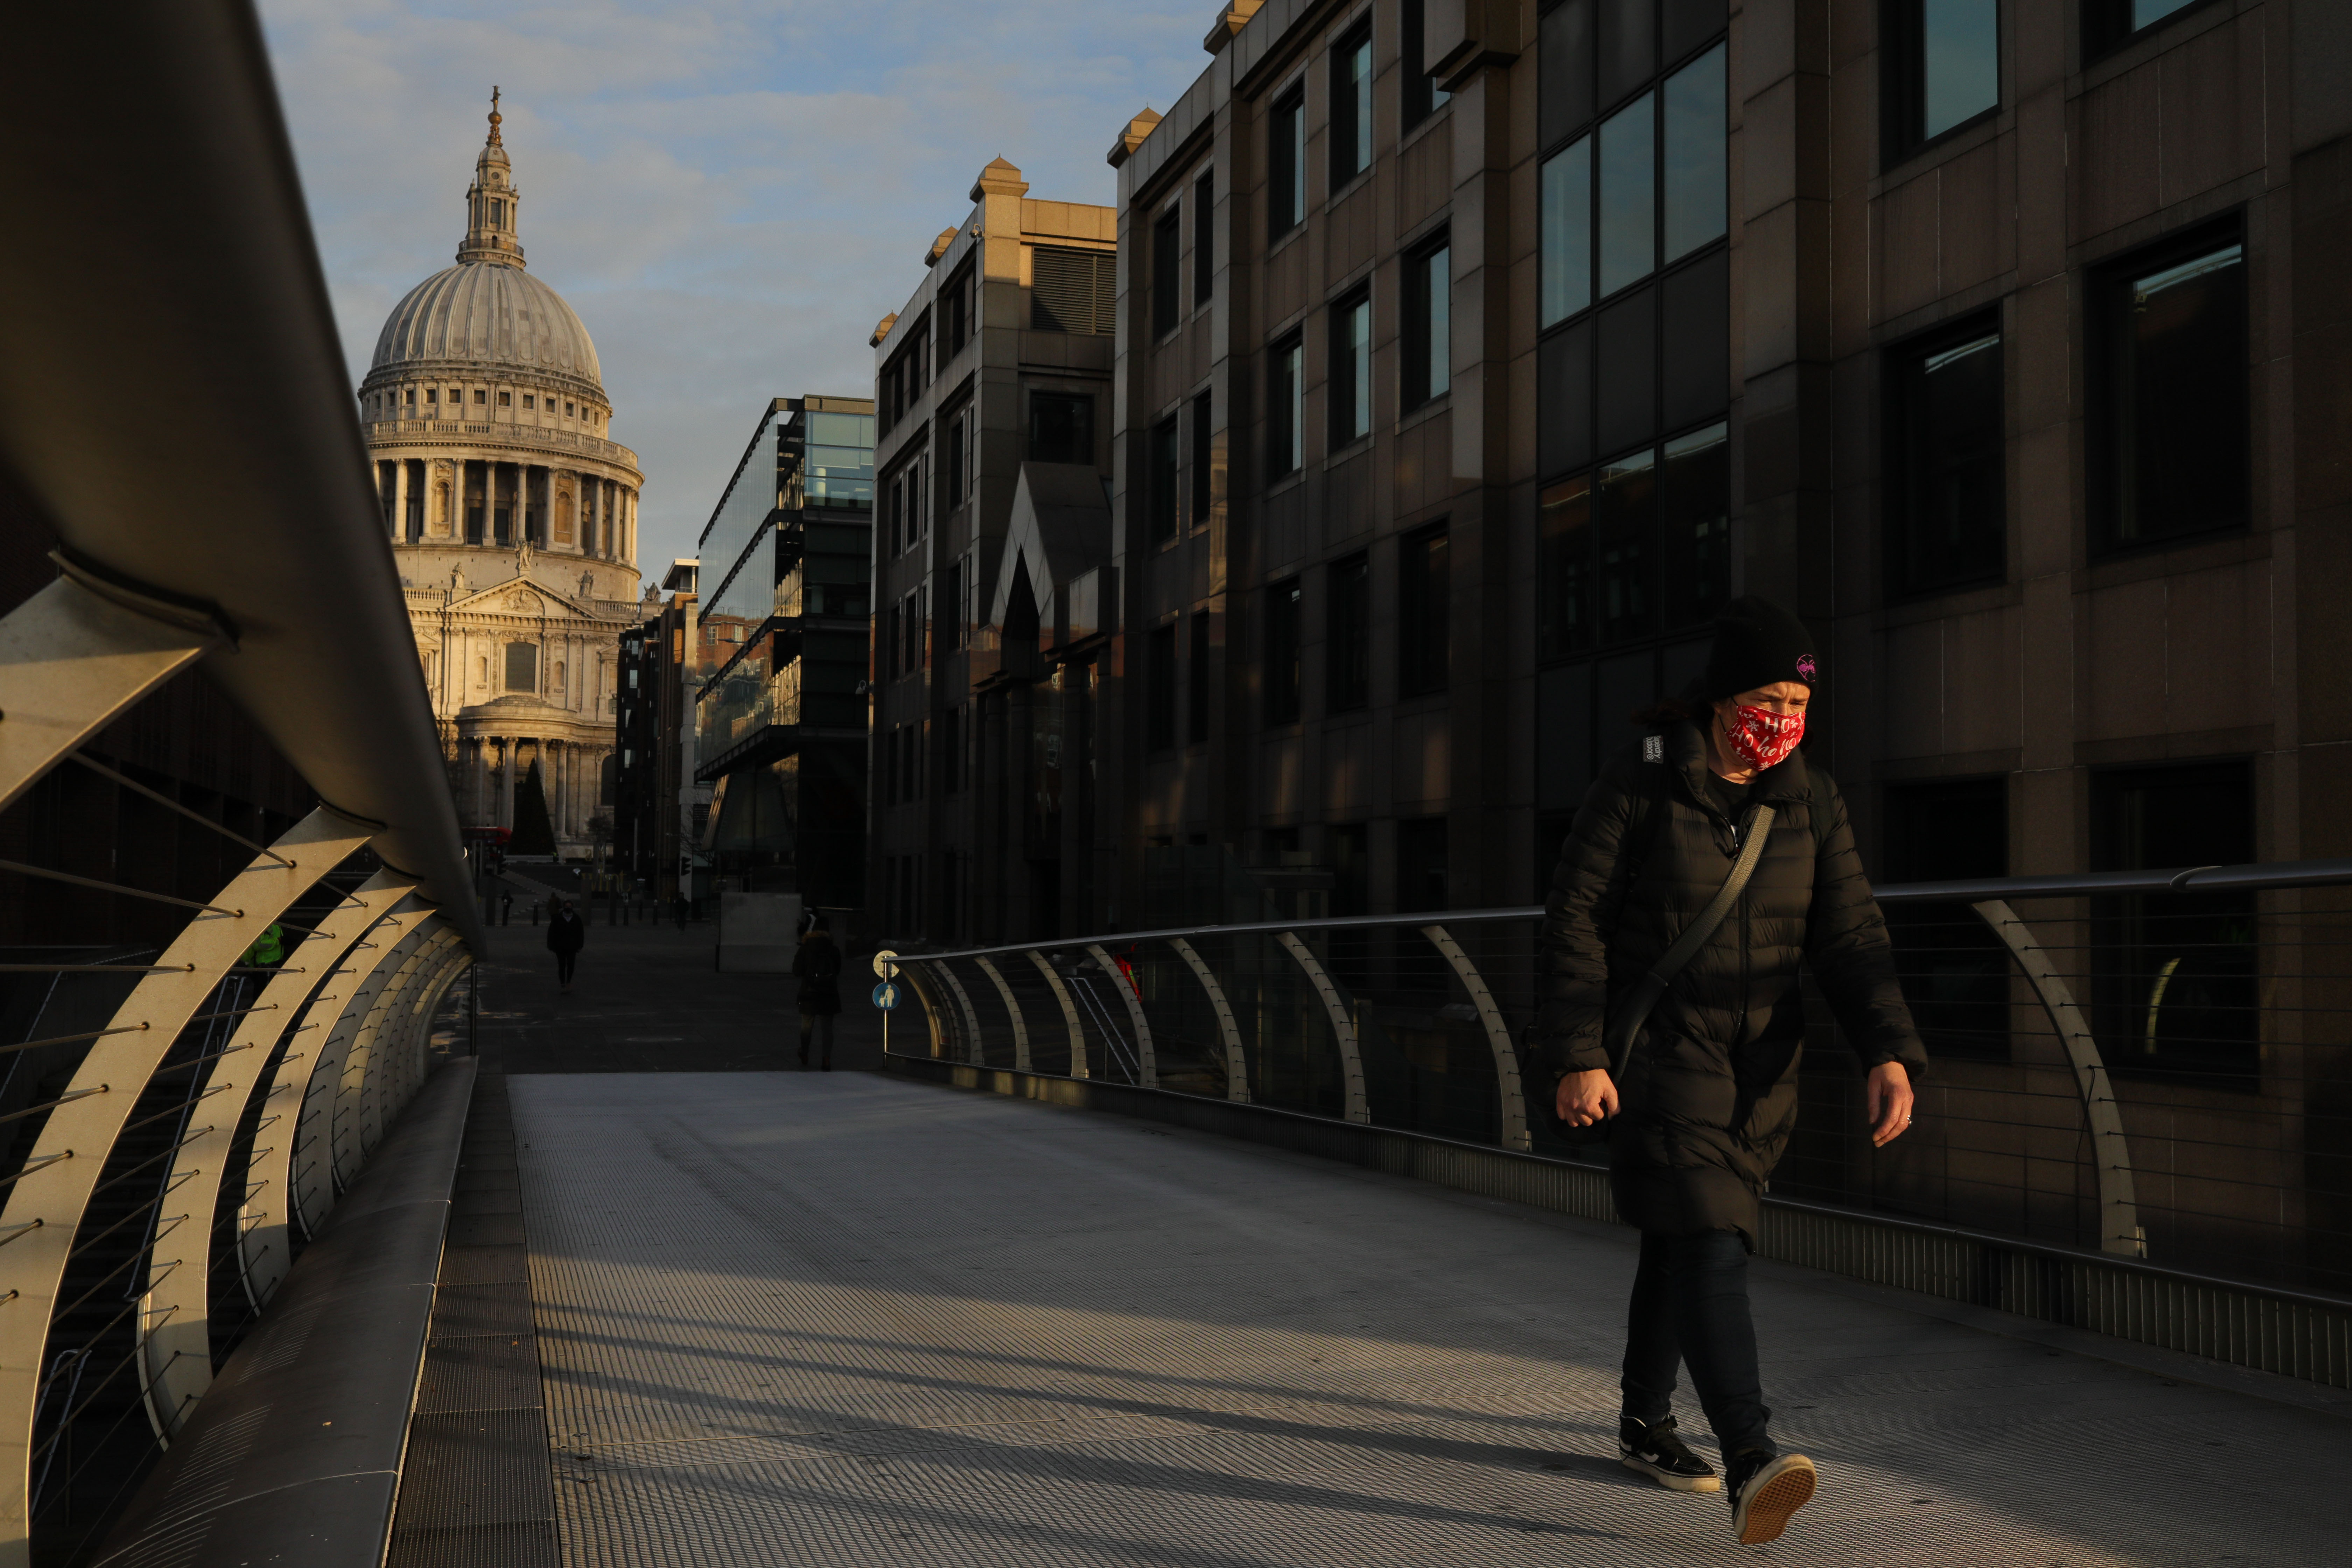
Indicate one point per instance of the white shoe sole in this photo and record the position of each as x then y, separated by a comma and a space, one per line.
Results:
1667, 1479
1772, 1495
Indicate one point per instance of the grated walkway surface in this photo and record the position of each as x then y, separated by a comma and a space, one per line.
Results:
843, 1320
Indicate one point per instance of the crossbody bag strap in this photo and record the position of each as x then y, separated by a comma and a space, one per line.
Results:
1634, 1012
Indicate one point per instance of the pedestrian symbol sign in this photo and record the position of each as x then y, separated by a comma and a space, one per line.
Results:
886, 996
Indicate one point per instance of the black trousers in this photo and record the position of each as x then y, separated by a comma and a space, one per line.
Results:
819, 1025
1690, 1308
565, 964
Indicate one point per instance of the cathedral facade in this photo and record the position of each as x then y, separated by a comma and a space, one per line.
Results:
513, 517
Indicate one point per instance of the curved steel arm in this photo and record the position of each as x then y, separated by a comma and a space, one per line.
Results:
971, 1050
98, 1103
1125, 986
313, 1145
69, 661
1069, 1011
2119, 1227
264, 1239
1020, 1026
348, 1122
176, 1317
1513, 1103
1343, 1027
1237, 1064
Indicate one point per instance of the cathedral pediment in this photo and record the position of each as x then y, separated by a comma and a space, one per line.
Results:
528, 599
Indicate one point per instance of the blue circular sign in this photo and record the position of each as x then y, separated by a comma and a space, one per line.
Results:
886, 996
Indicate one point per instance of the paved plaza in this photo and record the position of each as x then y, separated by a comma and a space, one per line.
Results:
846, 1319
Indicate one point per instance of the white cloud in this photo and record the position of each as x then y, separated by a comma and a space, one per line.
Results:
730, 192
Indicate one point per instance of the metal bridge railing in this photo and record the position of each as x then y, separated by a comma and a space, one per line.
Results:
2153, 1065
177, 1119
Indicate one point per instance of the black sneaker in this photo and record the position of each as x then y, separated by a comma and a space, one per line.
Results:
1657, 1453
1766, 1488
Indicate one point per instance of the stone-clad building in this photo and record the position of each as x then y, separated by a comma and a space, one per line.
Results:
1470, 354
992, 513
512, 515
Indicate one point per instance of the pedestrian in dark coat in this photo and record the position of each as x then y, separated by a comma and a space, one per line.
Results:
818, 964
566, 935
1709, 1092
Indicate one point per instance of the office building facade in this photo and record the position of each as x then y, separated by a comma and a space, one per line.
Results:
782, 623
993, 543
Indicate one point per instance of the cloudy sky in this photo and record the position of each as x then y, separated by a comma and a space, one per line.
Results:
731, 193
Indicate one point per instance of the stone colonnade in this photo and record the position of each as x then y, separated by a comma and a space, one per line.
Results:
570, 772
500, 503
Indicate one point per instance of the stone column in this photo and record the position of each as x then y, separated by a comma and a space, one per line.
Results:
508, 748
399, 500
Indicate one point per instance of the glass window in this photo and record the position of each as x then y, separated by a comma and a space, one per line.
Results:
1564, 69
1695, 525
1422, 94
1061, 427
1196, 682
1204, 250
1567, 199
1959, 62
1351, 106
523, 667
2175, 973
1943, 67
1629, 46
1629, 183
2108, 23
1423, 590
1160, 493
1166, 274
1565, 614
1625, 534
1949, 493
1160, 693
1694, 132
1955, 971
1287, 157
1204, 452
1428, 325
2175, 396
1285, 405
1348, 669
1351, 371
1282, 683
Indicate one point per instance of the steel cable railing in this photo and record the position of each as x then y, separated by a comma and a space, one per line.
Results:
2148, 1065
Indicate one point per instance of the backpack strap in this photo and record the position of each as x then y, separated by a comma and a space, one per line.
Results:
1635, 1011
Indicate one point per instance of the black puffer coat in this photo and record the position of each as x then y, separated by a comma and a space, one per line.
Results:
1710, 1096
818, 964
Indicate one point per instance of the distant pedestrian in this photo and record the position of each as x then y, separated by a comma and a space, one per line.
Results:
566, 932
818, 964
678, 908
506, 907
1706, 864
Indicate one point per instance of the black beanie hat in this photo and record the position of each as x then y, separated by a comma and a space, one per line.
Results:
1757, 643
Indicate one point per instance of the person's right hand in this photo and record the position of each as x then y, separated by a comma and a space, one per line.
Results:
1585, 1097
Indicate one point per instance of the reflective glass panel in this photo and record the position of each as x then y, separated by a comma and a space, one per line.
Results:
1695, 135
1567, 231
1629, 180
1959, 46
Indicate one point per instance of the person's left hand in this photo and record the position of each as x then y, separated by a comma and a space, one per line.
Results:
1888, 1102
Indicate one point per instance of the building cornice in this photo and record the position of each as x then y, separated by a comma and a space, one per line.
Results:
443, 436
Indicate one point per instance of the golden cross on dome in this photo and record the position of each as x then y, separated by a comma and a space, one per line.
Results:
495, 115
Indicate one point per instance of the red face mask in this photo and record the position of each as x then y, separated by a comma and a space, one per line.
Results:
1762, 738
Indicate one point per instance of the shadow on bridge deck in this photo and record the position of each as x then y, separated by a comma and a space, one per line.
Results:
849, 1319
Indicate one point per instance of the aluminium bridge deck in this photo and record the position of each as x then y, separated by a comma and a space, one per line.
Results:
840, 1319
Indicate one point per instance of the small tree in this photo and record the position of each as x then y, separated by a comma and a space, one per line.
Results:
534, 832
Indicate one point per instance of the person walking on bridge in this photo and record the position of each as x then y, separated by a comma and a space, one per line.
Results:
1706, 864
818, 965
566, 935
